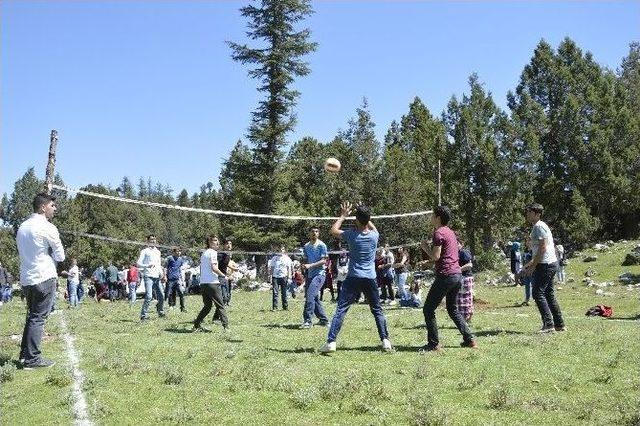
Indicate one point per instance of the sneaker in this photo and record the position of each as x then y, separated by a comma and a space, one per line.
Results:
430, 348
306, 325
469, 344
386, 345
328, 347
145, 318
41, 363
545, 330
162, 315
199, 329
323, 323
525, 303
561, 328
391, 302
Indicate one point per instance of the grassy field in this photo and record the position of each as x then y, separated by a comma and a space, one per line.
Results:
266, 371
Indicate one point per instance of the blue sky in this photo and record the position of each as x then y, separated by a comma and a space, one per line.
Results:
148, 88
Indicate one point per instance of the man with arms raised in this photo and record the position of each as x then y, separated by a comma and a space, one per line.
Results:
39, 247
361, 277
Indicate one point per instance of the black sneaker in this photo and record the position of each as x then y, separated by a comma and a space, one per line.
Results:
430, 348
162, 315
323, 323
41, 363
145, 318
561, 328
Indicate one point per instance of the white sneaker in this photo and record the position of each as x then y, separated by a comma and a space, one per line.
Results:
392, 302
330, 347
386, 345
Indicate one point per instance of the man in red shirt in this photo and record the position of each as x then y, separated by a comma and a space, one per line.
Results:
444, 252
132, 279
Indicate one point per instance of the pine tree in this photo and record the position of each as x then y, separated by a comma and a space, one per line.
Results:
275, 63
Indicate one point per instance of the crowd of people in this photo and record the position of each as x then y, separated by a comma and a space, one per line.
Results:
361, 270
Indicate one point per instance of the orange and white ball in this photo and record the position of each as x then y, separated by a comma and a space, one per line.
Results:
332, 165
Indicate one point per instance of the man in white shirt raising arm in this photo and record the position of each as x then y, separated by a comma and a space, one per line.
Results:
39, 247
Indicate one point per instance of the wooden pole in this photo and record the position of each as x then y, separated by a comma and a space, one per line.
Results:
51, 163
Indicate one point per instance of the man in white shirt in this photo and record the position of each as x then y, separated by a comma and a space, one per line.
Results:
543, 268
150, 266
73, 280
210, 286
39, 247
280, 271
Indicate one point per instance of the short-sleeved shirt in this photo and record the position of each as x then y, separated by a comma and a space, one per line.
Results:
280, 266
174, 268
402, 269
74, 274
448, 262
223, 261
314, 253
112, 274
540, 232
362, 252
207, 276
464, 257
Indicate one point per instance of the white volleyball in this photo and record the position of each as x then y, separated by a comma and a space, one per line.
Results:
332, 165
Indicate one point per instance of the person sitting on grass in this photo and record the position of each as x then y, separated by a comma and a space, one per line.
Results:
361, 277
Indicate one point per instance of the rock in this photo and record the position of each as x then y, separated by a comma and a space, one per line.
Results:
632, 258
590, 258
601, 247
610, 243
589, 272
629, 278
571, 280
600, 291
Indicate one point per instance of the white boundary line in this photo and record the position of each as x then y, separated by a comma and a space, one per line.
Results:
80, 412
227, 213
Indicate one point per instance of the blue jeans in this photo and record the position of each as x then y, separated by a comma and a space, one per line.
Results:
401, 280
526, 282
72, 291
349, 294
132, 292
152, 285
312, 303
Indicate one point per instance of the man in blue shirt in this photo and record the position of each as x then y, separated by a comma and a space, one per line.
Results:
174, 277
361, 276
315, 254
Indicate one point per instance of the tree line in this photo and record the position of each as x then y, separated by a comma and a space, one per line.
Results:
570, 140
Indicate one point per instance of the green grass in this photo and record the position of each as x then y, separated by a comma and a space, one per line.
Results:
268, 372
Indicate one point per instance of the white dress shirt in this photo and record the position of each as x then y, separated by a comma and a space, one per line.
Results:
150, 262
40, 248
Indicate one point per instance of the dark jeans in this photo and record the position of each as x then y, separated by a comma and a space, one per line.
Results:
312, 303
113, 291
349, 294
279, 285
39, 301
449, 286
544, 295
174, 288
387, 287
212, 293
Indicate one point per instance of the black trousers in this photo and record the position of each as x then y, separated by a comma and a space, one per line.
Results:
444, 286
545, 296
212, 294
39, 301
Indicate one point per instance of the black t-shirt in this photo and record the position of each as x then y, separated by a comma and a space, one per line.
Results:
223, 261
464, 257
